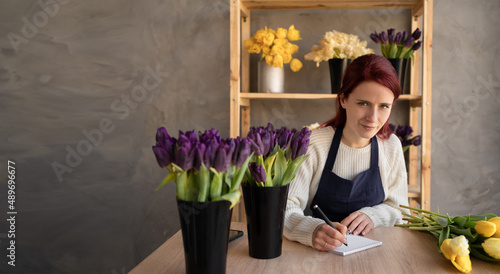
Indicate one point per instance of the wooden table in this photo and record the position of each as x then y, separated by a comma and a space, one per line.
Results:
402, 251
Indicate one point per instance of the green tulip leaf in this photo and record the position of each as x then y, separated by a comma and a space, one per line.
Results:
279, 168
170, 177
238, 177
203, 180
445, 234
232, 197
216, 186
480, 254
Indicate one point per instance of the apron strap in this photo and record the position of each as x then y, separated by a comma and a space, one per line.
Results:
332, 154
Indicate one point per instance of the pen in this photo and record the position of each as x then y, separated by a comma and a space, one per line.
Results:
323, 216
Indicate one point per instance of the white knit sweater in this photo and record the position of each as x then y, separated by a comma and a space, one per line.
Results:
349, 162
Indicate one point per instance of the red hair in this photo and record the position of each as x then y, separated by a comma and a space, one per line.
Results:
362, 69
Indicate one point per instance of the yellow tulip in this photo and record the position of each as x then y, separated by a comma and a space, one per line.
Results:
457, 251
446, 250
259, 35
463, 263
278, 61
247, 44
287, 58
295, 49
293, 34
268, 39
271, 31
277, 50
269, 60
281, 33
254, 49
295, 65
460, 245
485, 228
496, 221
266, 50
492, 247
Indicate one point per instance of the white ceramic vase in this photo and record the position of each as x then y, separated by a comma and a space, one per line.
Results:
270, 79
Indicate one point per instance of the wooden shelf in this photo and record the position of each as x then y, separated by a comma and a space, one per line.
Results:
329, 4
310, 96
420, 83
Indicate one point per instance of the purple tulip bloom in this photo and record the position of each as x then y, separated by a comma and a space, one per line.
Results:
392, 127
416, 45
383, 37
242, 151
185, 157
374, 36
210, 152
398, 38
209, 135
165, 147
257, 145
417, 140
284, 137
199, 153
390, 34
409, 42
270, 128
223, 156
300, 143
404, 37
258, 172
416, 34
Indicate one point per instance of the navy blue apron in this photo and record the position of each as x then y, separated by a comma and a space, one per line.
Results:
339, 197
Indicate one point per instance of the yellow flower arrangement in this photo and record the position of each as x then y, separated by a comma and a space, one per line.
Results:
275, 46
458, 236
337, 44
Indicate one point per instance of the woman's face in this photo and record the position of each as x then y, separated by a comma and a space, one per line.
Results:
367, 108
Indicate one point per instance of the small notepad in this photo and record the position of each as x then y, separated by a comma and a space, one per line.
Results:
356, 244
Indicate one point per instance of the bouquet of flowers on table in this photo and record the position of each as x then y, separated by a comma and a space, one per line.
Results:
204, 167
399, 45
337, 44
275, 46
458, 236
277, 155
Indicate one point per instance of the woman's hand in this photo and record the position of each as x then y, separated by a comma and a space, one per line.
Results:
326, 238
358, 223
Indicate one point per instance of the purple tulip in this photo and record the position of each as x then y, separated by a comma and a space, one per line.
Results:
199, 153
390, 34
416, 45
409, 42
398, 38
417, 140
257, 145
210, 152
300, 143
392, 127
223, 156
270, 128
404, 132
284, 137
383, 38
165, 147
258, 172
374, 36
416, 34
185, 157
242, 151
209, 135
404, 37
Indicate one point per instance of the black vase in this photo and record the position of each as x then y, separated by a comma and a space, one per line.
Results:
337, 70
401, 67
265, 211
205, 233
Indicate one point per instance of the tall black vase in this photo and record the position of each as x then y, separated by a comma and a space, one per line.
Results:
205, 233
401, 67
337, 71
265, 211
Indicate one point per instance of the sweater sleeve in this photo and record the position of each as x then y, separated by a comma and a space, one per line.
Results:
395, 182
299, 227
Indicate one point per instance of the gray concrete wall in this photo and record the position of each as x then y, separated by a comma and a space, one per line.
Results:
85, 84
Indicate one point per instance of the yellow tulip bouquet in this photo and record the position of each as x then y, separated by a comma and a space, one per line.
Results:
275, 46
460, 236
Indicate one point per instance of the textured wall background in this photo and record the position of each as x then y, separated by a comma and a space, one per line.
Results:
85, 84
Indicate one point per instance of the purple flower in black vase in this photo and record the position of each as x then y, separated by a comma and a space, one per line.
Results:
258, 172
165, 147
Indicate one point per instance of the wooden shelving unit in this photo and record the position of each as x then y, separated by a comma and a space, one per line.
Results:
420, 97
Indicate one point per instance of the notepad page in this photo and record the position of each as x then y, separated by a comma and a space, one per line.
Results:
356, 244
